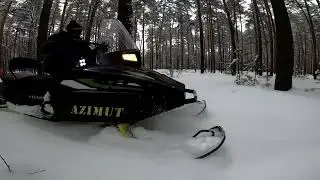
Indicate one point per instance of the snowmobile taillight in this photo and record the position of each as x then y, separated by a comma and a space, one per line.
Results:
194, 98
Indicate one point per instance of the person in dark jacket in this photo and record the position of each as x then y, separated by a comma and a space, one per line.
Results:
60, 54
64, 49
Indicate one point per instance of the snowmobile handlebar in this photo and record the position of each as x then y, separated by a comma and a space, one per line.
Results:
195, 96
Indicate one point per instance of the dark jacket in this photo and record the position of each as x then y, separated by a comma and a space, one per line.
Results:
61, 52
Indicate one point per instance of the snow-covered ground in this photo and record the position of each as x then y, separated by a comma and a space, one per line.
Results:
270, 136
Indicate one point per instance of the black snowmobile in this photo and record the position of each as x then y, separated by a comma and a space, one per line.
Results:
116, 89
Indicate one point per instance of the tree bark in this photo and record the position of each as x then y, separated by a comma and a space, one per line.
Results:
271, 29
314, 41
266, 47
285, 51
143, 31
4, 16
125, 14
201, 37
233, 40
152, 47
43, 26
259, 38
308, 17
53, 18
94, 5
170, 48
305, 54
63, 15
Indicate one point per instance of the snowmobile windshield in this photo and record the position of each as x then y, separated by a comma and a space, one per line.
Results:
116, 44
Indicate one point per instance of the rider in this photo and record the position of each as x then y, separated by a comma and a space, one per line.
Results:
64, 49
60, 53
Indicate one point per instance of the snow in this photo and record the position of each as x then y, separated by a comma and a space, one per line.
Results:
202, 145
270, 135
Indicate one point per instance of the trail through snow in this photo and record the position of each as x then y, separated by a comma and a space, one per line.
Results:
270, 135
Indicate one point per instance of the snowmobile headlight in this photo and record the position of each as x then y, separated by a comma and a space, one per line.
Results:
130, 57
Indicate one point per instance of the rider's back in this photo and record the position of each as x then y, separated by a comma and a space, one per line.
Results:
62, 52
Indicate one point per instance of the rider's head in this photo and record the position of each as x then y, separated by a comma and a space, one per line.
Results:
75, 29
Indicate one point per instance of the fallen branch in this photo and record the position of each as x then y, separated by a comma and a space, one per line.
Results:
5, 162
36, 172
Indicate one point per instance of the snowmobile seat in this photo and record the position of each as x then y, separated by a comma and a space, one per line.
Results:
20, 68
24, 81
25, 71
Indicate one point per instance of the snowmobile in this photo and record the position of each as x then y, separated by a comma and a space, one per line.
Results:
116, 89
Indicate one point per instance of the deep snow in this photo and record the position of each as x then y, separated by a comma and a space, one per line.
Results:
270, 135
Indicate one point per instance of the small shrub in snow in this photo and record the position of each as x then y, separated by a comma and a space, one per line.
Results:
246, 80
174, 73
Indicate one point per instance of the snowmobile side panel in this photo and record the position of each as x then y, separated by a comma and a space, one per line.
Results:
113, 103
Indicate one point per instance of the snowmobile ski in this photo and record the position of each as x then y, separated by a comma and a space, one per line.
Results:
216, 132
204, 108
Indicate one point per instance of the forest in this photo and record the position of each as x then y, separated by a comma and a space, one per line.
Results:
228, 36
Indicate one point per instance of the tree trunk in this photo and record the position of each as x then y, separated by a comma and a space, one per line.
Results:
201, 37
271, 29
298, 60
135, 29
181, 43
314, 41
212, 39
266, 46
259, 38
152, 47
213, 50
305, 54
271, 35
125, 14
63, 15
313, 36
4, 16
170, 49
43, 26
242, 43
143, 30
285, 51
94, 5
233, 40
220, 49
53, 18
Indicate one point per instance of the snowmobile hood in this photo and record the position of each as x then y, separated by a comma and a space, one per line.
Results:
133, 74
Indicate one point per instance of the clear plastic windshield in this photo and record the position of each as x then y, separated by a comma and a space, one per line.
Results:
115, 44
115, 36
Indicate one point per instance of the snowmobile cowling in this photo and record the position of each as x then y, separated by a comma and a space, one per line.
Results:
100, 93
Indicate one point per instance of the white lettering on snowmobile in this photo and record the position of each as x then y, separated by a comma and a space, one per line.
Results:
35, 97
97, 111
